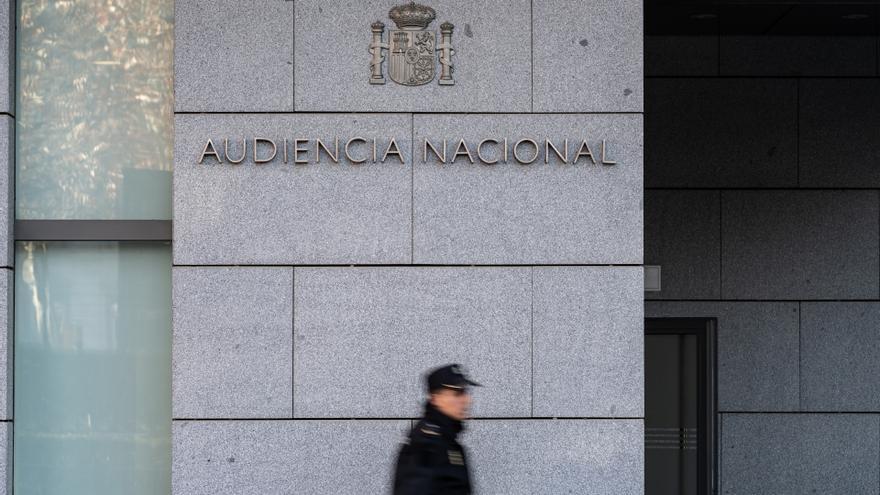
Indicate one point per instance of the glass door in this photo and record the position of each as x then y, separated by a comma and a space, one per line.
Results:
679, 406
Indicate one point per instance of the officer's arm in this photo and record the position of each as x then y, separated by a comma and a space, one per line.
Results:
420, 473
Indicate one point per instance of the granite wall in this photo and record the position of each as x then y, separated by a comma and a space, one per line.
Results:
762, 208
308, 299
7, 203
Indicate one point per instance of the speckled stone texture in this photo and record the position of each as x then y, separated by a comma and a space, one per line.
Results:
296, 373
492, 63
588, 56
840, 356
6, 343
839, 142
589, 341
525, 457
748, 139
774, 55
284, 457
365, 335
233, 56
681, 55
771, 454
7, 56
6, 457
232, 342
683, 236
276, 213
800, 244
757, 351
7, 190
555, 213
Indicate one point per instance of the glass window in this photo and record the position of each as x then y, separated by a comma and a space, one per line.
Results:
92, 366
94, 109
671, 412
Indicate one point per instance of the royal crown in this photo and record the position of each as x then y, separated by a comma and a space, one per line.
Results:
412, 16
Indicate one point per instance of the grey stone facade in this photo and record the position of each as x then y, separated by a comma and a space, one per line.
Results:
769, 223
232, 342
355, 324
244, 66
308, 299
7, 251
492, 59
308, 214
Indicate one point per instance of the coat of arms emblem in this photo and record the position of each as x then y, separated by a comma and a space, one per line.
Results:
412, 48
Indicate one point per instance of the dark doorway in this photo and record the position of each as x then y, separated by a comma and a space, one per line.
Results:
680, 406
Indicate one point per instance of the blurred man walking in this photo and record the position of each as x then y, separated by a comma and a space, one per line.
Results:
432, 462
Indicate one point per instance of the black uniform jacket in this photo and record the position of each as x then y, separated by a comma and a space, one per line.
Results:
432, 462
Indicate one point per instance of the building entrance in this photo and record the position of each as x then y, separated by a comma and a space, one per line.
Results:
679, 406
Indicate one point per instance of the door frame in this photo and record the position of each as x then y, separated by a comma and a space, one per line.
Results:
707, 383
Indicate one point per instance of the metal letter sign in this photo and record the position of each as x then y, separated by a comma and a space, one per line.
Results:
412, 47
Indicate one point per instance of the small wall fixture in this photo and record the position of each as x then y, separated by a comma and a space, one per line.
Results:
652, 278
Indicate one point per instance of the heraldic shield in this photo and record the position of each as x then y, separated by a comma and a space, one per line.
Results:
412, 57
413, 49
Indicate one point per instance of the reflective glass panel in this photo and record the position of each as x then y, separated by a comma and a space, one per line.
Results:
671, 409
92, 368
94, 109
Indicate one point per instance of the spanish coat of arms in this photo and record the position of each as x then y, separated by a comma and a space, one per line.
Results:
412, 48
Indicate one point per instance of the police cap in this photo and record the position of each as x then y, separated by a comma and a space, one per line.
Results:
449, 376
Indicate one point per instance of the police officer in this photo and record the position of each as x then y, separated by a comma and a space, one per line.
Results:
432, 462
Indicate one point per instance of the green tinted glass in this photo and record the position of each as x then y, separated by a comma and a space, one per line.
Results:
92, 368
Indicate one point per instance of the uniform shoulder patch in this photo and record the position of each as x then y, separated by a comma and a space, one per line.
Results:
430, 429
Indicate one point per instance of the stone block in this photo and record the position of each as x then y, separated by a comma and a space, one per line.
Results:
7, 190
513, 213
365, 335
839, 142
757, 351
769, 454
840, 356
800, 244
491, 63
720, 133
232, 56
589, 341
683, 236
798, 55
7, 56
681, 55
524, 457
232, 342
6, 344
286, 213
273, 456
588, 56
6, 457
